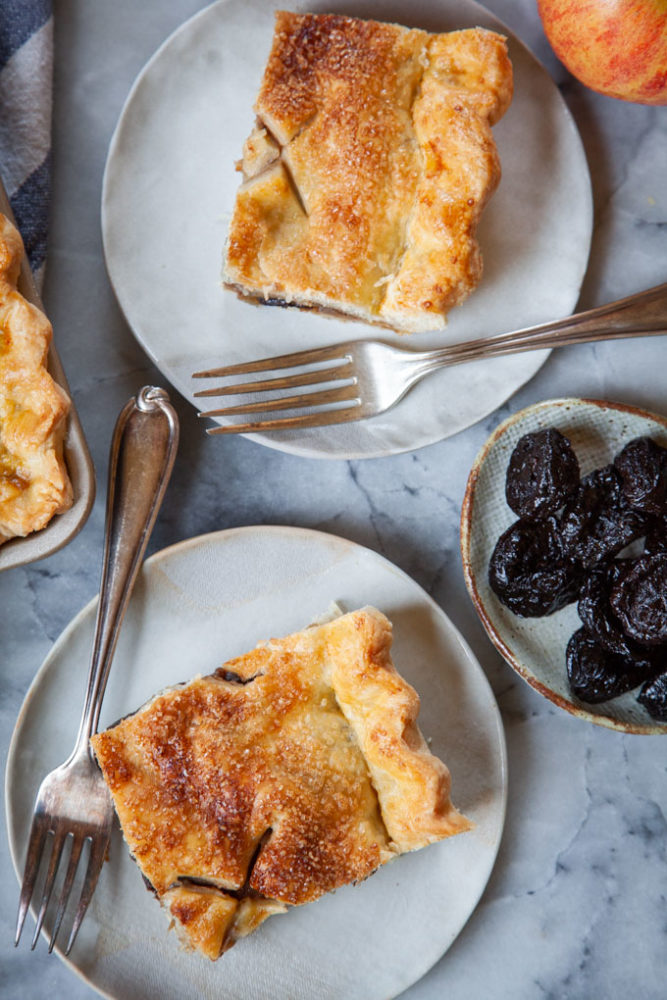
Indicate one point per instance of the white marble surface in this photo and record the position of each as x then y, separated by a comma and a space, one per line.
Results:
576, 906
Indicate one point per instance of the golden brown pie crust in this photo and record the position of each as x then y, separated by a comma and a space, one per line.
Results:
293, 770
34, 484
368, 170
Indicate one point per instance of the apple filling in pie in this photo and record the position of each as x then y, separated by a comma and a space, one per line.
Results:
291, 771
368, 169
34, 484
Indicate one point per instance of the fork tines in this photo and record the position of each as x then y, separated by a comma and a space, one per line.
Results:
69, 837
334, 378
41, 834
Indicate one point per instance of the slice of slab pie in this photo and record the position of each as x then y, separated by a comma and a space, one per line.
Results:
34, 484
368, 169
291, 771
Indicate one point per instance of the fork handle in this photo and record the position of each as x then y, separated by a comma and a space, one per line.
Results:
638, 315
143, 449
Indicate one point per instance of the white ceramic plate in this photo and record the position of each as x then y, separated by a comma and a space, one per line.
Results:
169, 189
196, 605
535, 647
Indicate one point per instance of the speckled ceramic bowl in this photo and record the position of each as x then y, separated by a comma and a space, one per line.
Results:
535, 647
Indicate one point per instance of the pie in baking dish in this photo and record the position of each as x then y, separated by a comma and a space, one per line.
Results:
34, 484
368, 169
288, 773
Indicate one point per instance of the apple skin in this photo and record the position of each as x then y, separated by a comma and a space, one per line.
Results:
616, 47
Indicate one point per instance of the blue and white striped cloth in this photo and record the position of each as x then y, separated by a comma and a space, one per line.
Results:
26, 73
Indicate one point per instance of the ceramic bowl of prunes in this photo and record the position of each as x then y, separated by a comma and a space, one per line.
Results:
564, 548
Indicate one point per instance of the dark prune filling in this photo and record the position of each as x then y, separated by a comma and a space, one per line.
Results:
639, 599
233, 678
642, 465
543, 471
274, 302
597, 522
528, 572
653, 696
595, 674
149, 885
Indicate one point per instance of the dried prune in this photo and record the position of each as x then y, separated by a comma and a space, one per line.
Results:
543, 471
653, 696
656, 535
597, 675
642, 465
596, 613
528, 571
597, 522
639, 599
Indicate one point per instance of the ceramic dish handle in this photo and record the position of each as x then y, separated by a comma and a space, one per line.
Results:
142, 456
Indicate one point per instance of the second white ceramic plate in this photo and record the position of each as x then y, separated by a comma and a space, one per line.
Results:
170, 185
196, 605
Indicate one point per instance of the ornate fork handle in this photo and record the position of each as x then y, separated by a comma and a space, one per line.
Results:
73, 803
637, 315
143, 450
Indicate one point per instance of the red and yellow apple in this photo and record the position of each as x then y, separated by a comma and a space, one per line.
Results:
617, 47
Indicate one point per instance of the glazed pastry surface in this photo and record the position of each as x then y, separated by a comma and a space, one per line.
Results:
34, 484
291, 771
369, 168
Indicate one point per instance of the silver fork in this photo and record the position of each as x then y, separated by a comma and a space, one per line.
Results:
367, 377
73, 802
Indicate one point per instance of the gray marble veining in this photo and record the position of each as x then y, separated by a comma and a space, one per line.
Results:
576, 906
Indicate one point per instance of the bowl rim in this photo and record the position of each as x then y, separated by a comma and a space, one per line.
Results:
467, 511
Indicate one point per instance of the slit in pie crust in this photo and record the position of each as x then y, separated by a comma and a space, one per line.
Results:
291, 771
368, 169
34, 484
